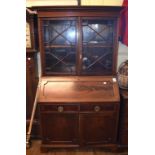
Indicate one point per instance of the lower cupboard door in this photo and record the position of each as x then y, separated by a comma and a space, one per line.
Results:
98, 128
60, 128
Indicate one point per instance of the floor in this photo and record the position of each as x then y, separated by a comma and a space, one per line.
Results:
35, 150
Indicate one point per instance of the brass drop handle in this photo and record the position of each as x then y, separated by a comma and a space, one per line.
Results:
60, 109
97, 108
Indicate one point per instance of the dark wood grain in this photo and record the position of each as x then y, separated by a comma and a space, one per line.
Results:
79, 112
79, 89
59, 128
98, 128
108, 9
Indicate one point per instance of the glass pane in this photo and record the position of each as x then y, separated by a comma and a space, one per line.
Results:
60, 46
59, 32
98, 32
61, 60
97, 60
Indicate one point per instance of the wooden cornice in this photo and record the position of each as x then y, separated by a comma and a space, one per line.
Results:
77, 8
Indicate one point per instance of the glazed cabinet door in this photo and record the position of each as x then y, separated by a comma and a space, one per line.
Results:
97, 46
98, 128
59, 37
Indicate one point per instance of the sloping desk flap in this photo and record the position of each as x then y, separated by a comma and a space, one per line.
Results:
79, 89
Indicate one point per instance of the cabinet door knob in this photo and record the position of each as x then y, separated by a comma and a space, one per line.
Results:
97, 108
29, 58
60, 109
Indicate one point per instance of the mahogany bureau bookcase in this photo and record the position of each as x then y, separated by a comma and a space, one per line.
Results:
79, 96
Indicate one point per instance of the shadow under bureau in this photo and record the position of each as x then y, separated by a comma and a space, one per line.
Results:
79, 112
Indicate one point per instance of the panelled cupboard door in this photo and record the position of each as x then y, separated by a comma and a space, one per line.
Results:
98, 128
59, 128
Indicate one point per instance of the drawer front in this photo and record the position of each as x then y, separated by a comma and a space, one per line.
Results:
97, 107
59, 108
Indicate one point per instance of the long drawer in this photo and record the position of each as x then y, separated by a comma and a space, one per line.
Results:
59, 108
86, 107
98, 107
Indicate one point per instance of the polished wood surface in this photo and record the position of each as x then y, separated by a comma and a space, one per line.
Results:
79, 112
59, 128
78, 89
109, 9
35, 150
98, 128
74, 125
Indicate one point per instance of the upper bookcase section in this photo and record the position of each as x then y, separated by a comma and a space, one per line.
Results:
78, 40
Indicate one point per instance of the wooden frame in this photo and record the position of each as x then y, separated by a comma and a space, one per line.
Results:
79, 13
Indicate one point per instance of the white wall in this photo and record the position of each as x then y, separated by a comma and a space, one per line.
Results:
30, 3
102, 2
122, 54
